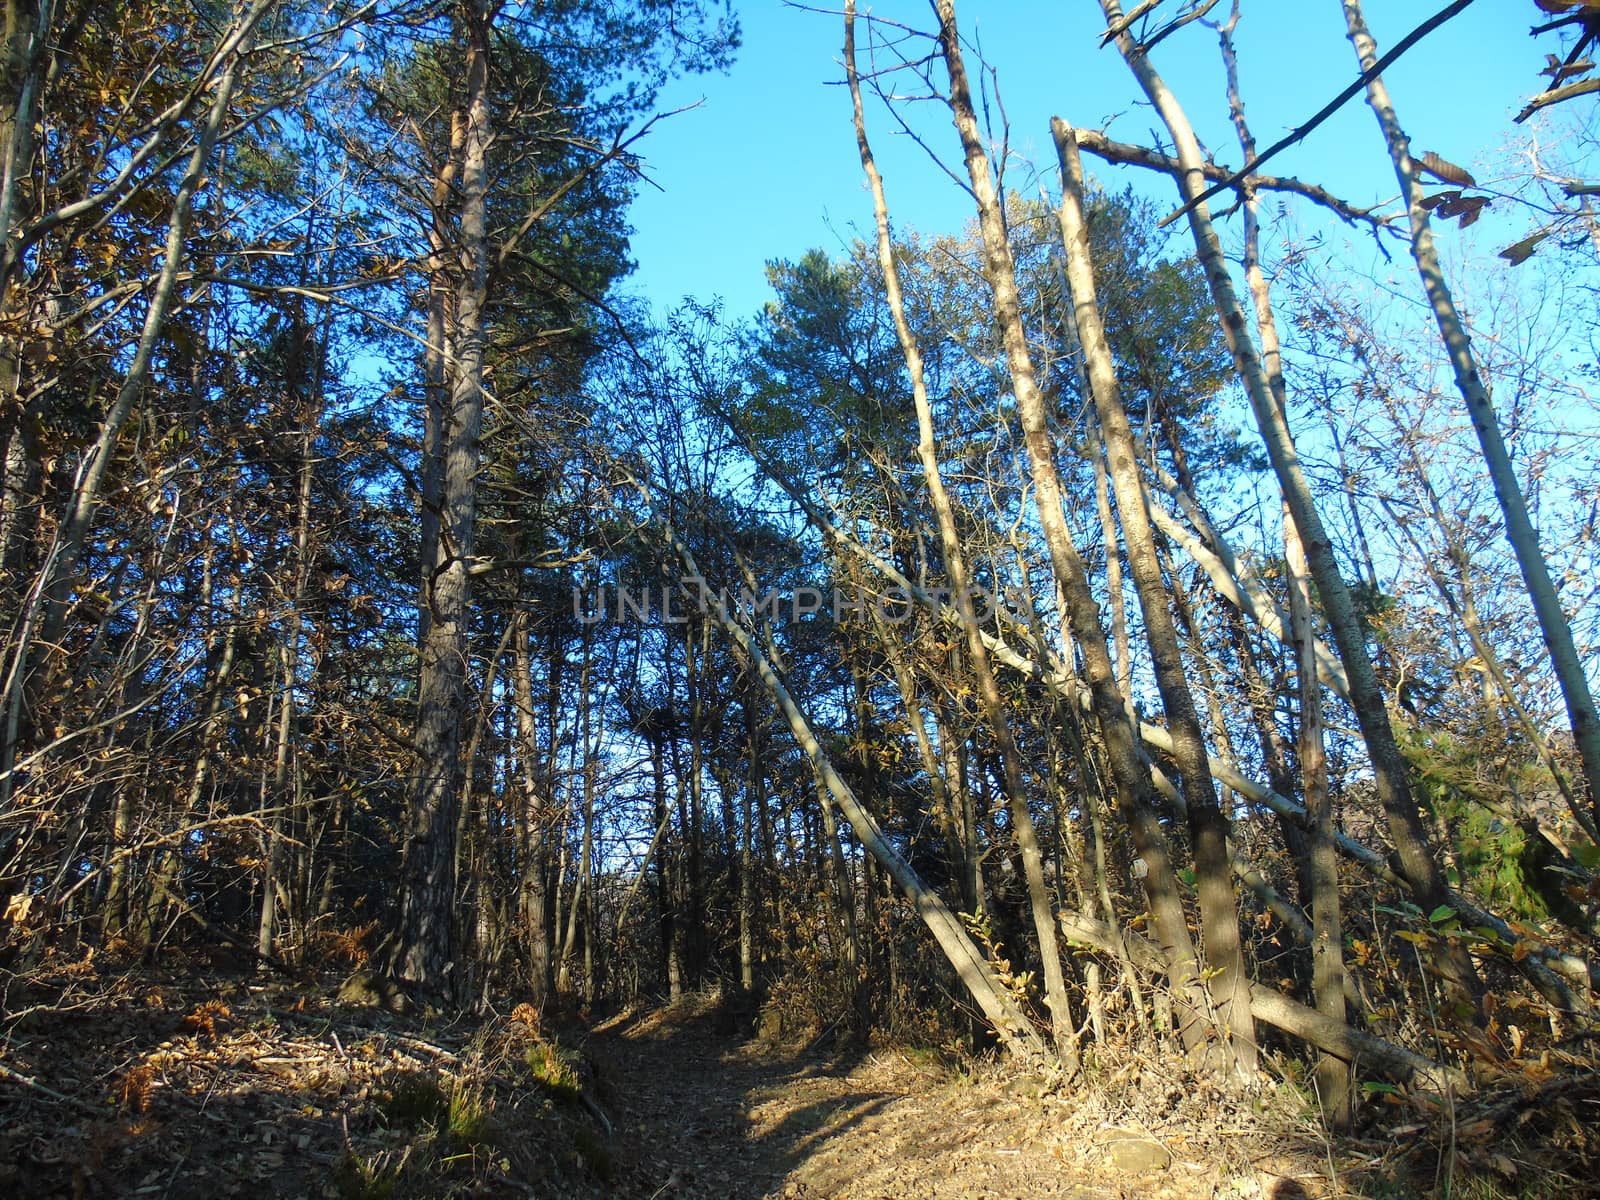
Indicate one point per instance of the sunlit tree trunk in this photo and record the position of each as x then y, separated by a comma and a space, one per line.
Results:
426, 942
1132, 781
1335, 1082
1208, 824
753, 798
1389, 766
1553, 622
1039, 895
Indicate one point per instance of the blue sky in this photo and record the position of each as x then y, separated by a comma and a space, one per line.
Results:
766, 167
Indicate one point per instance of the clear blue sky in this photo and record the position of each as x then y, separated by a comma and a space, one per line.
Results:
767, 167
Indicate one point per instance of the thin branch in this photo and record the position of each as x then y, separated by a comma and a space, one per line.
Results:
50, 1093
1568, 91
1097, 143
1166, 31
1333, 106
1123, 23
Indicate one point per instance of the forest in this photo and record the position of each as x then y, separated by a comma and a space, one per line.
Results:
1096, 699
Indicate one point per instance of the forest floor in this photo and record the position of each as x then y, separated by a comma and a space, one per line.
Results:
198, 1083
707, 1115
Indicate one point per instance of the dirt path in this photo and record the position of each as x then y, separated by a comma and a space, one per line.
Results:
700, 1114
193, 1089
189, 1086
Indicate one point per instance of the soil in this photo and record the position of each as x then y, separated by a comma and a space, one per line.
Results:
707, 1115
195, 1084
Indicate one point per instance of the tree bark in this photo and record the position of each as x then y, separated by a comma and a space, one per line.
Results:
531, 887
1553, 623
1389, 766
1208, 824
1373, 1053
1043, 910
425, 948
998, 1006
1132, 781
1335, 1084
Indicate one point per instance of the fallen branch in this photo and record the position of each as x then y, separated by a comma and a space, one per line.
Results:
30, 1082
1361, 1049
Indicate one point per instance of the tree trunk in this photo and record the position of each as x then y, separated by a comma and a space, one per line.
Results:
753, 798
1335, 1078
44, 617
1083, 612
1366, 696
1379, 1056
532, 899
666, 907
425, 949
1208, 824
998, 1006
1553, 623
302, 386
1039, 896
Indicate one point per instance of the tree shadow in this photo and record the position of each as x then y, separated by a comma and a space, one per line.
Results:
714, 1112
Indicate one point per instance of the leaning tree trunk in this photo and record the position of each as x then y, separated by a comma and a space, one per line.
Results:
1553, 623
1131, 778
1321, 870
424, 948
45, 613
1208, 824
1043, 911
1083, 611
24, 38
999, 1007
1366, 696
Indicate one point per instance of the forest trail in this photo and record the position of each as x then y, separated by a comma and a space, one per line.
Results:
193, 1084
698, 1112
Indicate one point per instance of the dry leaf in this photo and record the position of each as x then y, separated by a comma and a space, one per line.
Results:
1519, 252
1441, 168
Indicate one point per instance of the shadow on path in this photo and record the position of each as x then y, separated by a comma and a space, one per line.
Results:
698, 1113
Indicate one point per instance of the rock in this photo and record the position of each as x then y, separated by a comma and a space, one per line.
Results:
1136, 1153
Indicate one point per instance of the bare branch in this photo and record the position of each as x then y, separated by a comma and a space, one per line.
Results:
1327, 110
1097, 143
1567, 91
